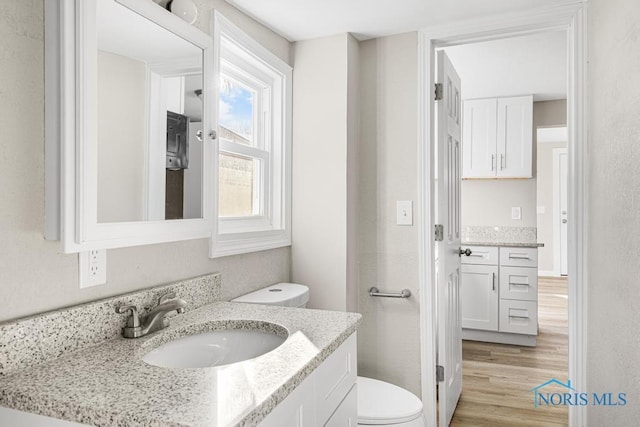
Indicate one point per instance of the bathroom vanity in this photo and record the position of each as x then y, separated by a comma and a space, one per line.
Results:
72, 367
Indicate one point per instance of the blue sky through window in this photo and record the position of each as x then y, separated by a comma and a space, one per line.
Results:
236, 107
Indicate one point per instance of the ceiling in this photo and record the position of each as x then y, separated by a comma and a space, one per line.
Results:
535, 64
307, 19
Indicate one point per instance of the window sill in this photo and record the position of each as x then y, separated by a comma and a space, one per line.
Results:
242, 243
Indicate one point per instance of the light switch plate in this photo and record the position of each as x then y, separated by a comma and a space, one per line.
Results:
516, 213
404, 214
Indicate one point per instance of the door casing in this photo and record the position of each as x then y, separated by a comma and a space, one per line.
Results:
572, 19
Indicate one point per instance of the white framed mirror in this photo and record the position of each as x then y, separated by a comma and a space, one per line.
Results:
136, 119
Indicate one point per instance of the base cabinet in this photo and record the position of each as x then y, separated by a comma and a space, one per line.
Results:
499, 295
479, 300
327, 397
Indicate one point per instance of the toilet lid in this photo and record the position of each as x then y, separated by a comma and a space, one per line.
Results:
382, 403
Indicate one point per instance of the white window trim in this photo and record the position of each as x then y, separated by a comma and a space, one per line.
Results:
232, 236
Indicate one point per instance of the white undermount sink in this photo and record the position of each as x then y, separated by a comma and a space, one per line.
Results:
214, 348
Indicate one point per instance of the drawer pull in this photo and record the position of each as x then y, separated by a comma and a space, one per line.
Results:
519, 284
512, 256
518, 317
478, 255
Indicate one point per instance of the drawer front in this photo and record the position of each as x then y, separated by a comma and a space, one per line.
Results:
484, 255
335, 377
519, 317
519, 283
519, 257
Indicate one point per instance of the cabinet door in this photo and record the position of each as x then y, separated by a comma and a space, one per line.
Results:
514, 136
347, 413
479, 139
297, 410
479, 296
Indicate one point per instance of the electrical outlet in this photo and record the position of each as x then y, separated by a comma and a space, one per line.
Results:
93, 268
516, 213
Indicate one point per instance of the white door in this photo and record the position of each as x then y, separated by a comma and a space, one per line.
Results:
448, 118
560, 174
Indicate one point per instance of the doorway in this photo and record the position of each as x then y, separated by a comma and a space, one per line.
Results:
571, 19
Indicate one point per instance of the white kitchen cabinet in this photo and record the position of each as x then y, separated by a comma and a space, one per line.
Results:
499, 294
327, 397
479, 296
479, 138
497, 137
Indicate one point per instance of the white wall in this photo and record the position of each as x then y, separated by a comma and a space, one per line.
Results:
613, 340
321, 168
388, 339
489, 202
35, 276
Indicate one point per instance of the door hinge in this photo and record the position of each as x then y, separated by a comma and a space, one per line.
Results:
439, 373
439, 92
439, 232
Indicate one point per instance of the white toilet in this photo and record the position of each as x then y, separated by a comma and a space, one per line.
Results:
379, 403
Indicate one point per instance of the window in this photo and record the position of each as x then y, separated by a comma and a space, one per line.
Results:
254, 144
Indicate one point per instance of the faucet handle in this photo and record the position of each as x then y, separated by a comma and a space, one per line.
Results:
166, 297
133, 321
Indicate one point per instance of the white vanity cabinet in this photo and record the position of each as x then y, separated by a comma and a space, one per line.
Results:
497, 137
327, 397
499, 294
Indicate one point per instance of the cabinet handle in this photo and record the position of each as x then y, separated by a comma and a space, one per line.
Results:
493, 162
493, 281
501, 161
519, 284
518, 317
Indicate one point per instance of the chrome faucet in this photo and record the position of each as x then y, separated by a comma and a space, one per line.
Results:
155, 320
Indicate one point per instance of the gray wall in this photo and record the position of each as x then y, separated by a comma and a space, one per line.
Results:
613, 339
35, 276
488, 202
321, 170
389, 337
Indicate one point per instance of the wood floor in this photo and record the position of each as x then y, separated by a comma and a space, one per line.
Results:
497, 378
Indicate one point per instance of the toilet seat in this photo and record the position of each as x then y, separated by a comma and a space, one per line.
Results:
381, 403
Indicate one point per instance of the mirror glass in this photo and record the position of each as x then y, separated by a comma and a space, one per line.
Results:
149, 121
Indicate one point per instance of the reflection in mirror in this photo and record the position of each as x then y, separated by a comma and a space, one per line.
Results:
149, 119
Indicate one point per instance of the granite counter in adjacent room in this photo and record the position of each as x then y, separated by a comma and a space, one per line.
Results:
519, 237
109, 384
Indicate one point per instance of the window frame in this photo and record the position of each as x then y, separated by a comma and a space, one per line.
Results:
240, 55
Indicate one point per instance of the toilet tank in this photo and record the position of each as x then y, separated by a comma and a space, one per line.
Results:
281, 294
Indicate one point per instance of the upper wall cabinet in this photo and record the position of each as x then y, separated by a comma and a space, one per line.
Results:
497, 137
130, 125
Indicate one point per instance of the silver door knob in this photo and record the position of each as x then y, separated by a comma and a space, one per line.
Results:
466, 252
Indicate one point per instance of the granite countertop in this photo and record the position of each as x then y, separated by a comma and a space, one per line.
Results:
109, 385
500, 243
